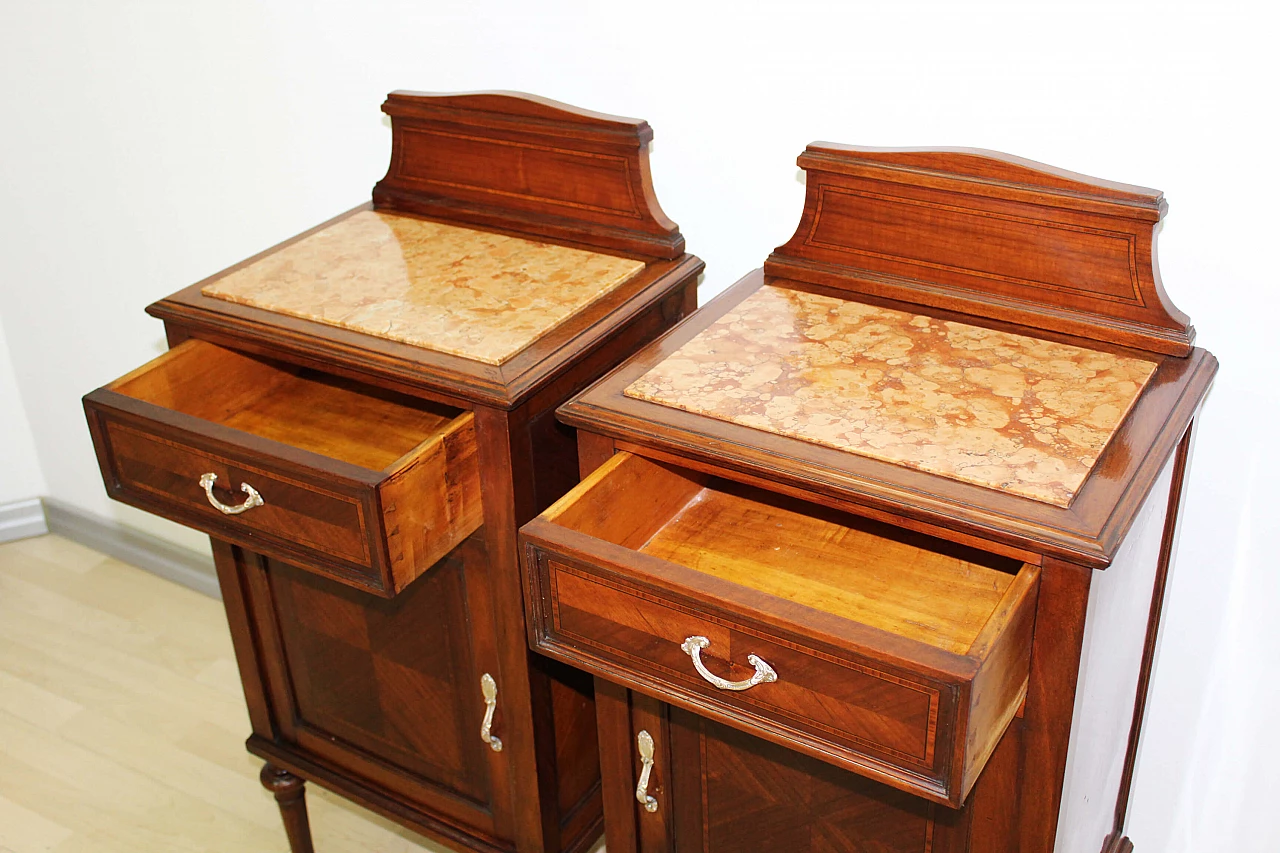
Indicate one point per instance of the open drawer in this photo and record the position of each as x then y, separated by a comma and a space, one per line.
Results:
366, 486
900, 657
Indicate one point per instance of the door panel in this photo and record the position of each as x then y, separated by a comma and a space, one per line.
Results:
732, 793
389, 689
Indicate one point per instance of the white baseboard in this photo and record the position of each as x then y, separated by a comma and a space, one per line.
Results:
22, 520
155, 555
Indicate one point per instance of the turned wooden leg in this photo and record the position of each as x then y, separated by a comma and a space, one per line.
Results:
291, 796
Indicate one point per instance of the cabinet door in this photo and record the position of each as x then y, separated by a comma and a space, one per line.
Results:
734, 792
387, 692
720, 790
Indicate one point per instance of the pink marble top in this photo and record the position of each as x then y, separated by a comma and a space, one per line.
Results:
475, 294
999, 410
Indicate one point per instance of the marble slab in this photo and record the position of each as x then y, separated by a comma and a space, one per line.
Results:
475, 294
999, 410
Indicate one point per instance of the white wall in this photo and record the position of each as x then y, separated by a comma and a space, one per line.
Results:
20, 475
147, 145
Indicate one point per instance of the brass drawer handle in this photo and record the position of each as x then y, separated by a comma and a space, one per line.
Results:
253, 499
693, 647
644, 741
489, 688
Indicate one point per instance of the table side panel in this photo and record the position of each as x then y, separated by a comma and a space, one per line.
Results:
1110, 661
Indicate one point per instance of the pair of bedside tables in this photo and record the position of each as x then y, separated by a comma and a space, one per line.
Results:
833, 578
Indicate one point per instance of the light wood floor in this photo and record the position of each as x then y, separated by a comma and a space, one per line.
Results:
122, 723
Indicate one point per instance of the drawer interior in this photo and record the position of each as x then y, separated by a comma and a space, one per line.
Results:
909, 584
339, 418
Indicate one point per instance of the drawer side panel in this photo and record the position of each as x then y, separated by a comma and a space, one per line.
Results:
433, 503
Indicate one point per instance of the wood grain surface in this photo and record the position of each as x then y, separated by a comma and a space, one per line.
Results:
990, 235
521, 162
333, 417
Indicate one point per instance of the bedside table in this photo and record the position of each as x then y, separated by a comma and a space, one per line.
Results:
869, 552
362, 417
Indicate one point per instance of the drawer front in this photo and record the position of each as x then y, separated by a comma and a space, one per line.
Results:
301, 521
887, 722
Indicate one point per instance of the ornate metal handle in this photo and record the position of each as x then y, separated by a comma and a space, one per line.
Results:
489, 688
644, 741
253, 499
693, 647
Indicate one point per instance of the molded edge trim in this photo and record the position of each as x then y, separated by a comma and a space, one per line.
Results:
22, 520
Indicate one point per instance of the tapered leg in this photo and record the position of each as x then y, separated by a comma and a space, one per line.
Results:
291, 794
